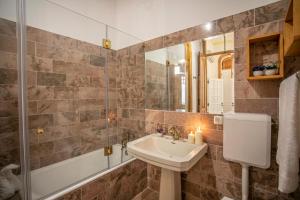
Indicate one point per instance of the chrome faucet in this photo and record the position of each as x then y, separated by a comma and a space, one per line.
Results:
174, 133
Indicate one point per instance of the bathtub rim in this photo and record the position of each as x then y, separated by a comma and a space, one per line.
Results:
77, 185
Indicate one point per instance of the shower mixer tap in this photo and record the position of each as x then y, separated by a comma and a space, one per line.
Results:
124, 144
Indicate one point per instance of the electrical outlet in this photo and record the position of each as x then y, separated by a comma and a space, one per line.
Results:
218, 120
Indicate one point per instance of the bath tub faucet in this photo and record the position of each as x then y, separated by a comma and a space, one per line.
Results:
124, 144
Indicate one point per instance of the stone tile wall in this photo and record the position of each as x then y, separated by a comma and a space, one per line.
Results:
9, 94
66, 96
131, 95
213, 177
54, 91
123, 183
156, 86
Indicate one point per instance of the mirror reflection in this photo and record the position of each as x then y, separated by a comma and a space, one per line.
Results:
195, 76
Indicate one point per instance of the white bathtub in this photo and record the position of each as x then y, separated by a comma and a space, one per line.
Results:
60, 178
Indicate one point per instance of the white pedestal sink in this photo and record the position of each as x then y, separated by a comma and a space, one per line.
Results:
172, 156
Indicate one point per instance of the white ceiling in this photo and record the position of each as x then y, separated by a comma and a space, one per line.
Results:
152, 18
147, 19
144, 19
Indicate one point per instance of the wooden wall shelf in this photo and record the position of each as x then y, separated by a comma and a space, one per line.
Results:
262, 50
292, 30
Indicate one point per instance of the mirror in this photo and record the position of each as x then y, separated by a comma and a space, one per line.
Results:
195, 76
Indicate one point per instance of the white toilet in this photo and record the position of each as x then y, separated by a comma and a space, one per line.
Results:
247, 140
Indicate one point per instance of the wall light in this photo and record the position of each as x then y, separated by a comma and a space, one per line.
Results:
208, 26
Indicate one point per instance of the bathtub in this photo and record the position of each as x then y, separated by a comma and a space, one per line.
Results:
60, 178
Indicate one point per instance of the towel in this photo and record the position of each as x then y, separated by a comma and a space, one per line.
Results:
288, 150
9, 183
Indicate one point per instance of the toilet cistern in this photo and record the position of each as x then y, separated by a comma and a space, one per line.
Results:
247, 140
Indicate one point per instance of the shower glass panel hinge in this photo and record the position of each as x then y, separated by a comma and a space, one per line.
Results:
108, 150
106, 43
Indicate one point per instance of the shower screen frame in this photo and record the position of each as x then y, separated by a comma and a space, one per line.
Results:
22, 99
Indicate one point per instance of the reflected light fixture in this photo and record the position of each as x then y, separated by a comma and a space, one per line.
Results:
181, 61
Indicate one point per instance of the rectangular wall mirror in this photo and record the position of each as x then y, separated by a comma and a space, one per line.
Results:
195, 76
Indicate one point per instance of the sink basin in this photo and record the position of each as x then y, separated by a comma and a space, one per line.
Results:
163, 152
172, 156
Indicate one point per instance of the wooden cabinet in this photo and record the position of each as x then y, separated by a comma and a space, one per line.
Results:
262, 50
292, 30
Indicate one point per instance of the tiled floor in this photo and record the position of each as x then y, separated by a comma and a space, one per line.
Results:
147, 194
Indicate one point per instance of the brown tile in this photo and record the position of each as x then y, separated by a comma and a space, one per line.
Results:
65, 93
291, 65
211, 136
241, 35
191, 188
78, 80
260, 194
88, 47
8, 60
8, 76
40, 93
92, 189
262, 179
8, 92
7, 27
245, 89
57, 132
97, 60
209, 194
269, 89
91, 93
71, 144
9, 142
229, 188
47, 107
72, 68
41, 150
8, 124
8, 44
9, 108
182, 119
100, 82
66, 118
39, 64
90, 104
40, 121
51, 79
9, 157
50, 39
236, 22
267, 106
32, 107
57, 53
137, 49
225, 25
244, 19
271, 12
89, 115
154, 44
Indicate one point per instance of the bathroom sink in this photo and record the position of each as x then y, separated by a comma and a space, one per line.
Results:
164, 152
172, 156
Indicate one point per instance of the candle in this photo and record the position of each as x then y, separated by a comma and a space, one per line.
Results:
191, 138
198, 136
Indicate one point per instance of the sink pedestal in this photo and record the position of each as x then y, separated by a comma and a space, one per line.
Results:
170, 185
